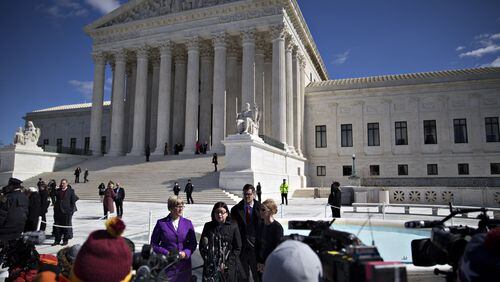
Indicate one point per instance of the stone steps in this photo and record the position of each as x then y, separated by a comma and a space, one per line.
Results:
146, 181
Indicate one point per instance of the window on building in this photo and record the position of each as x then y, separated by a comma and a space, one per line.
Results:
401, 133
45, 142
103, 145
430, 132
373, 134
403, 169
320, 136
463, 169
460, 129
59, 145
72, 145
346, 135
432, 169
492, 130
374, 170
495, 168
347, 170
86, 146
321, 170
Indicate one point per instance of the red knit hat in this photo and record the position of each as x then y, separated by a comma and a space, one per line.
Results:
104, 256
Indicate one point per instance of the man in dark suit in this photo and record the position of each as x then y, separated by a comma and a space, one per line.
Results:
189, 192
119, 198
64, 208
247, 215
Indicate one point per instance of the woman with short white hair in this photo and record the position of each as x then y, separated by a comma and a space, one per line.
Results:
269, 233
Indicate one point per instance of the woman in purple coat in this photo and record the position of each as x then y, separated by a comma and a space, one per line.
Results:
175, 233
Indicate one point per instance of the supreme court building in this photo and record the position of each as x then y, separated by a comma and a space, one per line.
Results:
182, 69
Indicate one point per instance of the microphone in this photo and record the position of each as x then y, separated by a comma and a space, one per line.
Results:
143, 273
422, 224
173, 255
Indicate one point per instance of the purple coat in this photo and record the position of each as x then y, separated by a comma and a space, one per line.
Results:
165, 238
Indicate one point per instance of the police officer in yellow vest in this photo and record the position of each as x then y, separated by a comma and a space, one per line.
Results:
284, 192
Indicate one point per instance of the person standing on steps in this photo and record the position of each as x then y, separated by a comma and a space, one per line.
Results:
215, 161
284, 192
176, 189
189, 191
86, 176
334, 199
259, 192
102, 190
148, 153
119, 198
78, 170
108, 201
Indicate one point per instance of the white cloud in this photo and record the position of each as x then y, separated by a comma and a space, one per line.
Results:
495, 63
495, 36
339, 59
84, 87
481, 51
460, 48
64, 9
104, 6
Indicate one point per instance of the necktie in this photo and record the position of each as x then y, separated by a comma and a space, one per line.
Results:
248, 213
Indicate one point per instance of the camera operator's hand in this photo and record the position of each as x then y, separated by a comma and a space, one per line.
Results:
260, 267
182, 255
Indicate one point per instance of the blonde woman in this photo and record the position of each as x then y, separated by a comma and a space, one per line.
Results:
269, 233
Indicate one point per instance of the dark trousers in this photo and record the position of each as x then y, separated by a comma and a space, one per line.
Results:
147, 158
85, 180
119, 208
44, 219
189, 198
336, 212
77, 178
215, 165
63, 232
249, 263
284, 198
259, 197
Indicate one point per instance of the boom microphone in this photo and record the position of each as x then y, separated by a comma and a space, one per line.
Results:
422, 223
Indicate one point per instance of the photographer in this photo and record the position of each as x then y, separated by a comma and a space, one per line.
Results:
220, 247
34, 209
13, 211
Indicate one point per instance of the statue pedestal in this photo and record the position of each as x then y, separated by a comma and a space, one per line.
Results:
26, 161
250, 160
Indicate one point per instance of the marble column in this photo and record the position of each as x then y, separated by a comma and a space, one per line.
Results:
231, 87
248, 68
139, 131
289, 96
302, 93
268, 91
129, 99
206, 90
297, 108
260, 81
179, 105
155, 87
279, 84
164, 95
118, 104
219, 93
192, 95
97, 103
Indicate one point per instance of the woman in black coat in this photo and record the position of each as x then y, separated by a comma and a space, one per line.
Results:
335, 199
269, 233
220, 247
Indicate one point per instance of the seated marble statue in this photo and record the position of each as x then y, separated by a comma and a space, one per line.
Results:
247, 121
19, 137
28, 136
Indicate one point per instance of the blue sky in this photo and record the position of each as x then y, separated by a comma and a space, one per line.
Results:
45, 55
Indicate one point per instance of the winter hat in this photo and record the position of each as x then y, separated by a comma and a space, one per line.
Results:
293, 261
66, 257
105, 256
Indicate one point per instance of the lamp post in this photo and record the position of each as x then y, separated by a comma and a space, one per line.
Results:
353, 174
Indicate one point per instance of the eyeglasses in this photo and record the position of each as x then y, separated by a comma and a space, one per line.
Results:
220, 212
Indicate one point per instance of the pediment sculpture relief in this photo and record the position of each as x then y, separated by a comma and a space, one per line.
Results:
155, 8
28, 136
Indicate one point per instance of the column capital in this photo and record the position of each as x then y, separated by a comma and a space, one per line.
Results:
219, 40
278, 32
165, 47
142, 52
99, 57
261, 45
206, 51
193, 43
289, 45
180, 55
248, 36
302, 60
233, 49
119, 55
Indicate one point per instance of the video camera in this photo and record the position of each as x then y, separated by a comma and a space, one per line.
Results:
343, 256
21, 253
151, 266
447, 243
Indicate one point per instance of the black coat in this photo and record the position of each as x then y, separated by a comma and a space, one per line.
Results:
67, 203
334, 199
44, 201
177, 189
226, 235
13, 215
247, 233
35, 206
119, 194
189, 188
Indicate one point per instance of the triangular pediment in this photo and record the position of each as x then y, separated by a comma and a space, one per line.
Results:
135, 10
